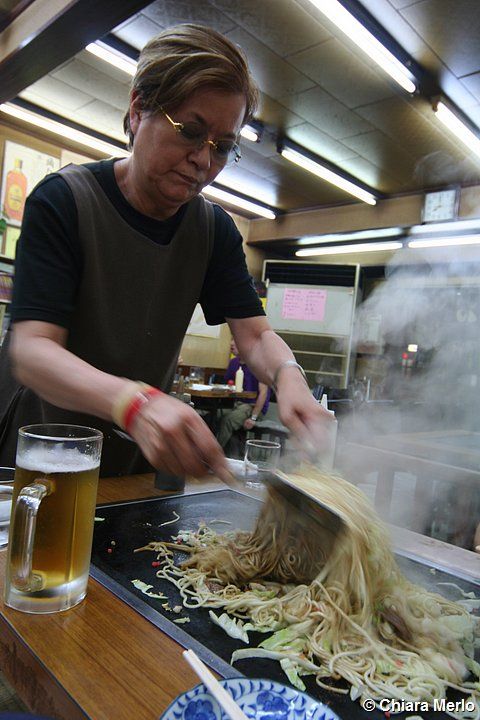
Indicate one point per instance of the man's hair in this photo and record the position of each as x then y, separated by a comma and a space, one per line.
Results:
184, 58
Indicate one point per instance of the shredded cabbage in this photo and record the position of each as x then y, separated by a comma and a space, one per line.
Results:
145, 589
232, 627
291, 671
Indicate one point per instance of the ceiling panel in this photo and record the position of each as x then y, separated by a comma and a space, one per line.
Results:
320, 143
439, 158
275, 76
340, 72
89, 79
108, 119
317, 89
373, 175
171, 12
472, 83
269, 20
452, 29
384, 152
50, 92
276, 115
399, 4
326, 113
137, 31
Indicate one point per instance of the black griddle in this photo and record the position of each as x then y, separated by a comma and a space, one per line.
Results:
131, 525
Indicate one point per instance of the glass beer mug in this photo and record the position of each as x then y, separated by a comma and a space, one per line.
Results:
52, 518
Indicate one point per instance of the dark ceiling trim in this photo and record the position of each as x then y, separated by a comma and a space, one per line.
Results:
14, 13
80, 23
121, 46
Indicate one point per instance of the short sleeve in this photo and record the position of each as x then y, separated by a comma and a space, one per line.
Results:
228, 290
48, 261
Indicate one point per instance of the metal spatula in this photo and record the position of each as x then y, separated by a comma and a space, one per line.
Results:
306, 503
301, 500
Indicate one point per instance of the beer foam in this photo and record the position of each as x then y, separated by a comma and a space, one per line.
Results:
55, 459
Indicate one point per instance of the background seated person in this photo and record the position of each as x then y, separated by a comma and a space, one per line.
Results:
246, 412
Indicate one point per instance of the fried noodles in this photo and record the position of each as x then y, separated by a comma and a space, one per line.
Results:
345, 613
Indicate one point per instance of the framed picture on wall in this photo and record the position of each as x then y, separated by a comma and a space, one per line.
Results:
23, 168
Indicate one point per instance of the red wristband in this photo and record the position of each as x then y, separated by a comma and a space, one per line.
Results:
141, 398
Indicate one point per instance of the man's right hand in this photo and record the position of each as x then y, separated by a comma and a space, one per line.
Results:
173, 437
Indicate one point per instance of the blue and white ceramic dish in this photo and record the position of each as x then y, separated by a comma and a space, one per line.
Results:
259, 699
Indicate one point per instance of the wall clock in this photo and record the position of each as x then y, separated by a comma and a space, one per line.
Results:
440, 205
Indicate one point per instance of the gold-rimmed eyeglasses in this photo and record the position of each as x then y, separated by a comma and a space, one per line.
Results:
224, 152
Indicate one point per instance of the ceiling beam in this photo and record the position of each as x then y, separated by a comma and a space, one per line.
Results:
50, 32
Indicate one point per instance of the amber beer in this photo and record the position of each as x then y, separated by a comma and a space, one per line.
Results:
59, 476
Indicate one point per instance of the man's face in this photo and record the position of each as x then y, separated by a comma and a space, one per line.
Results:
168, 170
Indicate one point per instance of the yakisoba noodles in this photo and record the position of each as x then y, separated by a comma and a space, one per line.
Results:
359, 619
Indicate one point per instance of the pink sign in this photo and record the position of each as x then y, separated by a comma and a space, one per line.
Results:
304, 304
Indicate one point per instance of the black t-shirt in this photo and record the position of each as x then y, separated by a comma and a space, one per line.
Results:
49, 259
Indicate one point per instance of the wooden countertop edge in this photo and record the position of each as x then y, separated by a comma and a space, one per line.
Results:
438, 554
37, 687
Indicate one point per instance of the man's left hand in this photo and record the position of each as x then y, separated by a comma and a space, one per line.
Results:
308, 421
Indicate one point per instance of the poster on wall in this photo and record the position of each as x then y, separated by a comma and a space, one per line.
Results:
304, 304
23, 168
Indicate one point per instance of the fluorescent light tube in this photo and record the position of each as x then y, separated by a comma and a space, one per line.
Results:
356, 248
119, 60
457, 127
445, 241
223, 195
358, 235
454, 226
323, 172
367, 42
249, 133
65, 131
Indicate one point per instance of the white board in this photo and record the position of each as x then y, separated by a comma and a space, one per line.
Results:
319, 309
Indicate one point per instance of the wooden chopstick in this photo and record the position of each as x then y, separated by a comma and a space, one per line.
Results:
223, 698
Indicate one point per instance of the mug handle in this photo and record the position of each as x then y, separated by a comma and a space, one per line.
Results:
23, 535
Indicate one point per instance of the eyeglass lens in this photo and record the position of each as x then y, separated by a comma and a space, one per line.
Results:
225, 151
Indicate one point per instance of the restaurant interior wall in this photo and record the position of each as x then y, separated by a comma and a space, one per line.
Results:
403, 211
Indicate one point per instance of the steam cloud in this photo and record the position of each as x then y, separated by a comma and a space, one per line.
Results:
430, 298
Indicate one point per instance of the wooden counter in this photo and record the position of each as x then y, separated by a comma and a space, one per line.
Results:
101, 660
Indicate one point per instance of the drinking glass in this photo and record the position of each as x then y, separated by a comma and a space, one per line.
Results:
52, 518
265, 454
